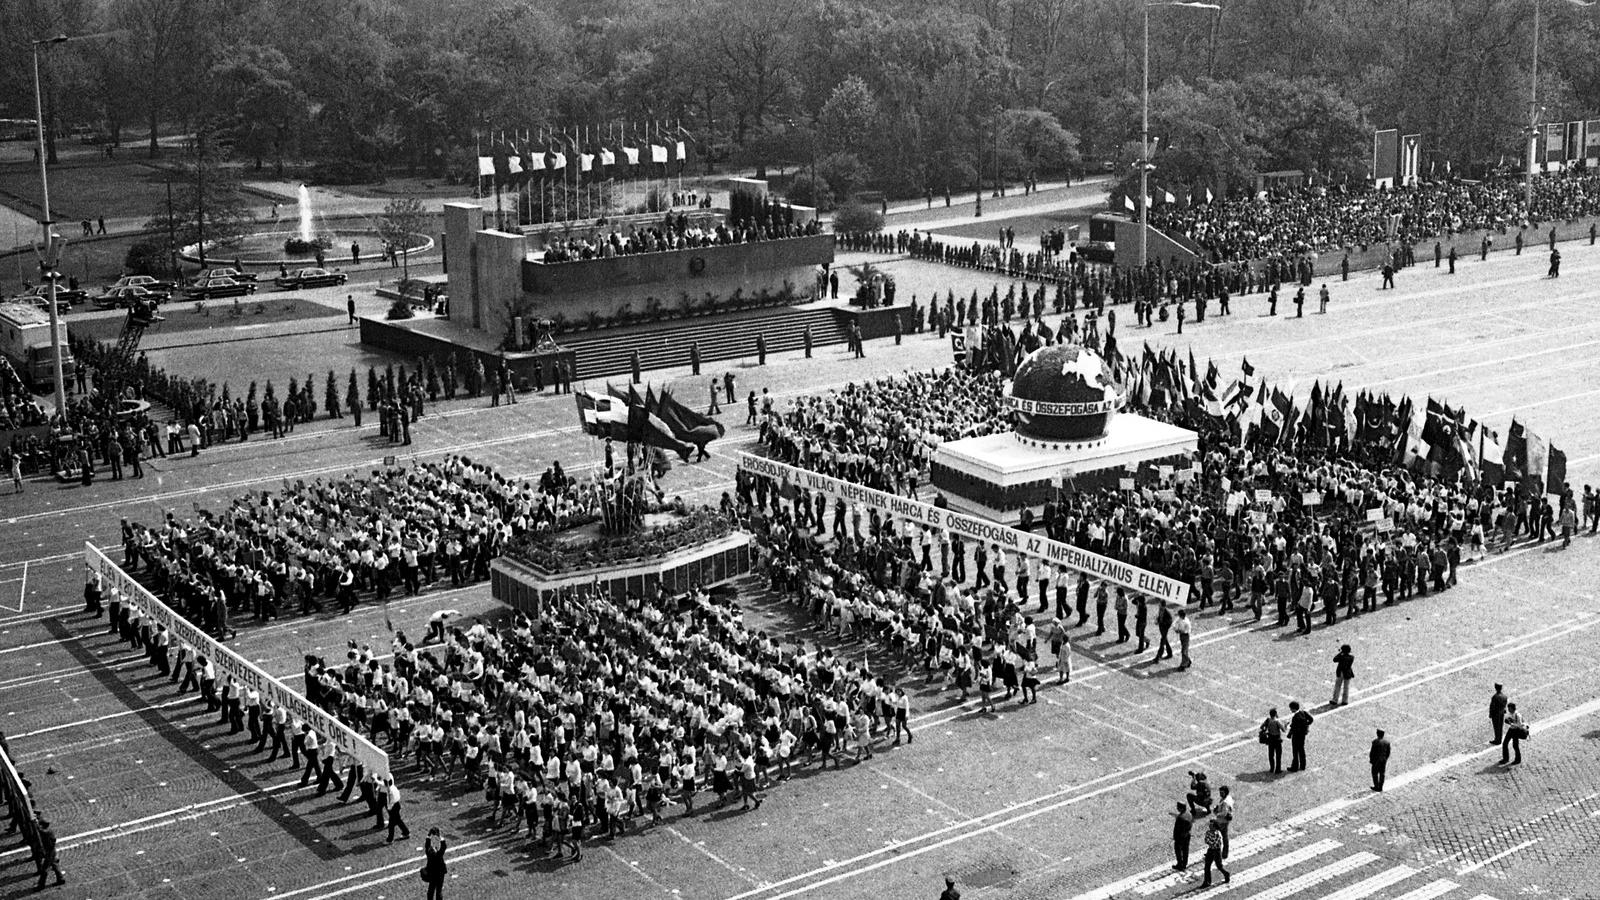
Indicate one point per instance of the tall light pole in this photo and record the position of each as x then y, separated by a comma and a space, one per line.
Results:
51, 252
1144, 128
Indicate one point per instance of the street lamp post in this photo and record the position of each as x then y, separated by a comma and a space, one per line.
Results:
1144, 129
51, 251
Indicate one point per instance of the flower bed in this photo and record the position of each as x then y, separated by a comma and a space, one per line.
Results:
546, 552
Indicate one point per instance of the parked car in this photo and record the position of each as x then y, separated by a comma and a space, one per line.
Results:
211, 288
128, 297
148, 282
65, 297
310, 278
228, 272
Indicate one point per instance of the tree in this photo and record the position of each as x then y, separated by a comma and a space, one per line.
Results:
848, 118
207, 204
261, 109
1039, 141
403, 219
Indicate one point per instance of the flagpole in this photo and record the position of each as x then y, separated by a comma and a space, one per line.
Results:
477, 166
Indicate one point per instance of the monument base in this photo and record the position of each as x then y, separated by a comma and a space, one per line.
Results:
998, 475
524, 587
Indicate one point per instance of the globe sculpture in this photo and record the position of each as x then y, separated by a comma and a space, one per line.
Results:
1063, 393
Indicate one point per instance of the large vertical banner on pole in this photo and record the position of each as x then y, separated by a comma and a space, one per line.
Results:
1410, 159
1591, 141
1385, 157
1555, 135
334, 733
1574, 141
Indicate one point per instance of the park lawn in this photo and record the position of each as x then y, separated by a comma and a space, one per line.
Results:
215, 315
87, 189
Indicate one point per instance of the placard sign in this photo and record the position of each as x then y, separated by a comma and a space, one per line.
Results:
334, 733
1263, 495
1124, 484
972, 528
1311, 498
1375, 514
1258, 517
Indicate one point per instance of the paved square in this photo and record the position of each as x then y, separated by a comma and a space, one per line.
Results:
1068, 798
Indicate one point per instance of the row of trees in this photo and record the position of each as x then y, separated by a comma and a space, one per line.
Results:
906, 96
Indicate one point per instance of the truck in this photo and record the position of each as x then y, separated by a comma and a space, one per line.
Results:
25, 343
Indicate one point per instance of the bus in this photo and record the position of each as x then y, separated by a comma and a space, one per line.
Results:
18, 129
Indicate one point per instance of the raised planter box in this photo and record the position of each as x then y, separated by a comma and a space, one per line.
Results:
524, 587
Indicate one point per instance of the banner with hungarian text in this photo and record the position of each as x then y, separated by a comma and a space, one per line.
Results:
972, 527
334, 733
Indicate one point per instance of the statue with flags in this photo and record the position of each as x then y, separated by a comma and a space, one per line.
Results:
654, 420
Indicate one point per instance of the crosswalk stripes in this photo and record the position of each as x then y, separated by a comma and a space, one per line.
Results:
1278, 864
1315, 877
1370, 886
1430, 891
1245, 847
1160, 878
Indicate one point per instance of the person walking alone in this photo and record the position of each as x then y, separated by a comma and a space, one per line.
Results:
1214, 854
1271, 734
46, 860
1378, 756
1343, 673
434, 868
1516, 731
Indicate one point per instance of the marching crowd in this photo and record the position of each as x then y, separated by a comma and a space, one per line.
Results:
597, 713
338, 540
883, 434
1306, 547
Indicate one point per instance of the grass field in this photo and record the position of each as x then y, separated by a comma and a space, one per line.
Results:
215, 315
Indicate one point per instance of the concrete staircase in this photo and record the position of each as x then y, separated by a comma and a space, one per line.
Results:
608, 353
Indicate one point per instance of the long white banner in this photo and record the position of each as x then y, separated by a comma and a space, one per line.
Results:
1013, 539
334, 734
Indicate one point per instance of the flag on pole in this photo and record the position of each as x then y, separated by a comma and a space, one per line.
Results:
1208, 195
658, 153
585, 162
485, 166
1127, 201
607, 158
1515, 457
632, 154
1538, 464
681, 151
1555, 481
1166, 197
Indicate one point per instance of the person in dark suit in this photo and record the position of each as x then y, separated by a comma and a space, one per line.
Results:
434, 869
1182, 825
1379, 757
45, 858
1497, 714
1299, 726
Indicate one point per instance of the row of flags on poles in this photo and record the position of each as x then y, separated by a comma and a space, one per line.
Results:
1431, 438
1192, 197
520, 157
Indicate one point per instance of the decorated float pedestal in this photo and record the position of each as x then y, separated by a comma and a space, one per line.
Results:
1067, 434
